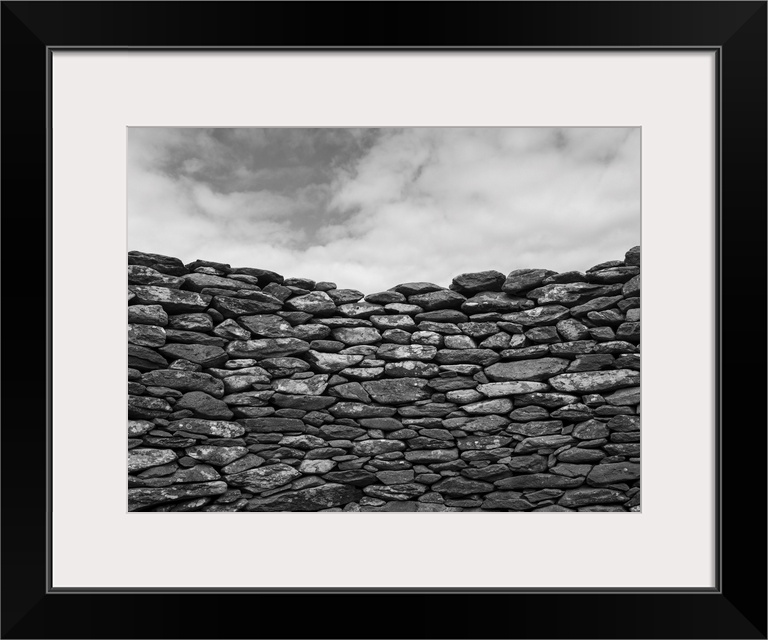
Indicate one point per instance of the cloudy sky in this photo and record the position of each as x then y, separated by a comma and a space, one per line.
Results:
370, 208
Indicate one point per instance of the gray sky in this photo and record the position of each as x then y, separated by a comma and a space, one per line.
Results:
370, 208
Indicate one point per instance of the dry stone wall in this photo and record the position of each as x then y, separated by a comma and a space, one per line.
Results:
249, 391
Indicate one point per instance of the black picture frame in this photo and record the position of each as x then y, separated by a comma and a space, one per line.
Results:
736, 608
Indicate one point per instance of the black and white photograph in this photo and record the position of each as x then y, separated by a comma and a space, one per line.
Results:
384, 319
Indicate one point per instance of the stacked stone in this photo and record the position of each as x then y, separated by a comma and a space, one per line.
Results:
249, 391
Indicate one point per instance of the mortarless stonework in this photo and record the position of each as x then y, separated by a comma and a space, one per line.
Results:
253, 392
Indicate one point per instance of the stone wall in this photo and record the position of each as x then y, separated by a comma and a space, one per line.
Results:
249, 391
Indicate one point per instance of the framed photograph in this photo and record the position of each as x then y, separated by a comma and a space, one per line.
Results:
384, 319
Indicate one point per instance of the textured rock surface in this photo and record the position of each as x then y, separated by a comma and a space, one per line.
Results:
249, 391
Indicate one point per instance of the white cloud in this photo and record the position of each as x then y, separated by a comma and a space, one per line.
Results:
418, 204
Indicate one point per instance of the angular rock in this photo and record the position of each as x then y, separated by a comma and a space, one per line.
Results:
331, 362
397, 391
416, 288
248, 461
204, 355
482, 357
539, 316
218, 456
586, 496
267, 348
272, 424
459, 486
376, 447
543, 442
590, 430
404, 491
624, 397
212, 428
360, 410
354, 477
410, 369
163, 264
267, 326
502, 389
406, 352
594, 381
571, 294
436, 300
171, 300
184, 381
522, 280
532, 370
528, 464
613, 473
469, 283
314, 386
325, 496
360, 310
537, 428
147, 314
263, 478
431, 456
539, 481
356, 336
495, 301
317, 303
144, 497
204, 406
485, 407
199, 281
146, 335
147, 408
145, 359
256, 303
624, 423
483, 443
506, 500
140, 459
